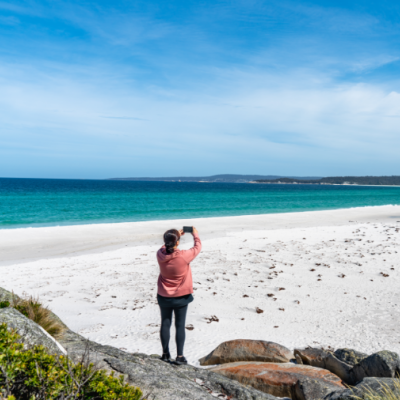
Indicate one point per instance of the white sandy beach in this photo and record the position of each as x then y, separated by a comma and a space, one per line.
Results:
324, 270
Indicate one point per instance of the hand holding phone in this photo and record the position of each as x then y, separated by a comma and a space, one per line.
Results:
190, 229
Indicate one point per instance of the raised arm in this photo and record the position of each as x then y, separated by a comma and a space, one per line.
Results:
190, 255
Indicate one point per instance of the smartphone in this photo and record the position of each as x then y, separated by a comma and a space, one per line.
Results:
188, 229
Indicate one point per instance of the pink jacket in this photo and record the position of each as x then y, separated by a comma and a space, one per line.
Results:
175, 277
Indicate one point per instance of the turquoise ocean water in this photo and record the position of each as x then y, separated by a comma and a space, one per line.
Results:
50, 202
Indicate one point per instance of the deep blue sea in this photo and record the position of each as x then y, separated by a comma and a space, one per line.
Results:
50, 202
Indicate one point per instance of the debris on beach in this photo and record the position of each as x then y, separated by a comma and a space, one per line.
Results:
189, 327
213, 318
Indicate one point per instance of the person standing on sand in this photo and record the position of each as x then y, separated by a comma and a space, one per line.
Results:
175, 288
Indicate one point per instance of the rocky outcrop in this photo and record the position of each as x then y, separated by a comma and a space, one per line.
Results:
31, 334
247, 350
379, 386
159, 380
384, 364
299, 382
324, 359
349, 356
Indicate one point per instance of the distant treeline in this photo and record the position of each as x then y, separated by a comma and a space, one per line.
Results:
340, 180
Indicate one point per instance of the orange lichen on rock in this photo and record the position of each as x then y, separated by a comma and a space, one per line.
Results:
282, 380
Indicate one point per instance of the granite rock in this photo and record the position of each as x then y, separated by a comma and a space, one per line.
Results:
247, 350
31, 334
298, 382
349, 356
324, 359
5, 295
160, 380
383, 364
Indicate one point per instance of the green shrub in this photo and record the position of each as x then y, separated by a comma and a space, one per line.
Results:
34, 310
35, 375
4, 304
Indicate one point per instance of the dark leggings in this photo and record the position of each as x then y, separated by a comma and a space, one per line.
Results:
166, 319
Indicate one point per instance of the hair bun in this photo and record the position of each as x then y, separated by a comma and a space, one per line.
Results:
171, 238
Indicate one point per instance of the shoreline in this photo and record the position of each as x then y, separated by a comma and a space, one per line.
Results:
72, 240
78, 224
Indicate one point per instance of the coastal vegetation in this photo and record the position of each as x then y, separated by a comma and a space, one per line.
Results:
32, 373
33, 309
386, 392
339, 180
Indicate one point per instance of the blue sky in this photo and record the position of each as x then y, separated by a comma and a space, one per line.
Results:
97, 89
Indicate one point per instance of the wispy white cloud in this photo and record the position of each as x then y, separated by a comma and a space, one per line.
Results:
138, 91
295, 116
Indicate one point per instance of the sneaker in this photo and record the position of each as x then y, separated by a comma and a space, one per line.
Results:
180, 360
166, 357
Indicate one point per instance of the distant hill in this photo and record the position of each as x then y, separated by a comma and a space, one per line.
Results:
226, 178
339, 180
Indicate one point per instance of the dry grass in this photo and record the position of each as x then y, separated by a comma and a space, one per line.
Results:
37, 312
385, 394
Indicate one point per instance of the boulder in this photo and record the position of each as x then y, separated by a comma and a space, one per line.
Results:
324, 359
247, 350
349, 356
299, 382
384, 364
31, 334
312, 356
377, 386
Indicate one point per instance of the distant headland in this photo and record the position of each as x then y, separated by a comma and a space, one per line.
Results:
337, 180
279, 179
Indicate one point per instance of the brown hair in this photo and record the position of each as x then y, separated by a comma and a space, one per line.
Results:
171, 238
